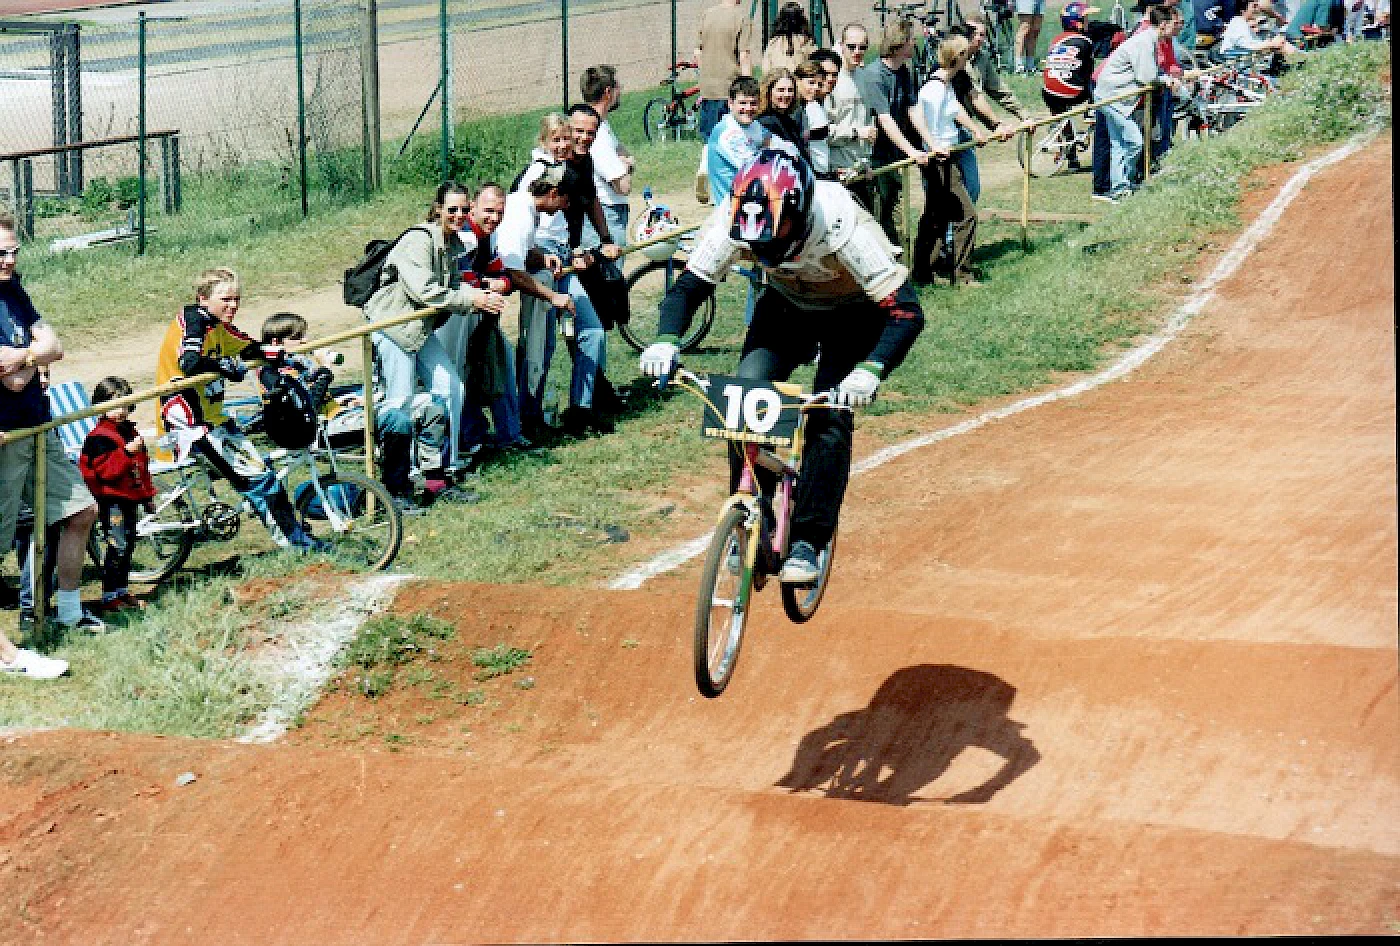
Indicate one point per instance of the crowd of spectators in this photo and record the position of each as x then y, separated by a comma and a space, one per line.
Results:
452, 384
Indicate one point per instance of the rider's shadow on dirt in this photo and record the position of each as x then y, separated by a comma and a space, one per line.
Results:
917, 723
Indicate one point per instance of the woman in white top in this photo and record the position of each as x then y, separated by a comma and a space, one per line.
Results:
937, 115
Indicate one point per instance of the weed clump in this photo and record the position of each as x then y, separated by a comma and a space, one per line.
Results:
389, 641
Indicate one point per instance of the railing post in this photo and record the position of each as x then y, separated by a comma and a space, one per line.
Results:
1149, 103
1026, 190
40, 505
25, 199
301, 111
367, 343
906, 205
141, 133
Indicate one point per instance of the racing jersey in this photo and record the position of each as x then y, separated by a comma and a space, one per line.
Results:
193, 344
1069, 67
731, 144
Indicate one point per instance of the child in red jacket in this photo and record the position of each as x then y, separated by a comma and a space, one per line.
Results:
117, 471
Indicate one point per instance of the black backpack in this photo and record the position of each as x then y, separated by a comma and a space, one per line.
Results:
363, 279
289, 416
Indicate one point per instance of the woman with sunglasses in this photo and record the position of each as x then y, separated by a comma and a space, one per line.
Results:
424, 264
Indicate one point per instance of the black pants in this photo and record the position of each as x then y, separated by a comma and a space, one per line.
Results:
946, 203
886, 200
782, 338
117, 520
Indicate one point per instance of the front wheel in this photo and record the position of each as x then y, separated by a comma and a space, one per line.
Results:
354, 515
726, 586
1050, 155
801, 601
655, 277
163, 541
659, 121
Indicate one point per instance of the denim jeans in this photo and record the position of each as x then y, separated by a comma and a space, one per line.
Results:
616, 215
967, 164
1125, 140
711, 111
402, 371
505, 414
538, 324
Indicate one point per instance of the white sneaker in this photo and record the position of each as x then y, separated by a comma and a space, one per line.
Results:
29, 664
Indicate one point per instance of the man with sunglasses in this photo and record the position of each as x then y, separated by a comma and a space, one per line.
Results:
888, 88
852, 126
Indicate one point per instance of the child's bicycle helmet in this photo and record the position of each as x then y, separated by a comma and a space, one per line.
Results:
657, 221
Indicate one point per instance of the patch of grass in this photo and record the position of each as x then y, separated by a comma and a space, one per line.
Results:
498, 661
388, 642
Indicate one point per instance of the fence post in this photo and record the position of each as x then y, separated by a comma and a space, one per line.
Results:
37, 572
141, 133
301, 111
564, 46
1026, 190
369, 98
675, 53
445, 84
25, 199
367, 343
1148, 107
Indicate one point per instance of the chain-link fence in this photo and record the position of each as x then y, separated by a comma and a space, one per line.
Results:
250, 114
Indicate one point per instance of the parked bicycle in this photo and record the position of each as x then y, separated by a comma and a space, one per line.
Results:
351, 513
767, 420
654, 277
676, 116
1059, 148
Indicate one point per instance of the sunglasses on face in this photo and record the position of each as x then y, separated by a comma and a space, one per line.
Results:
10, 254
455, 210
858, 49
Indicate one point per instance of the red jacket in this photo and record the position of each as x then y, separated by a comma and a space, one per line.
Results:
109, 470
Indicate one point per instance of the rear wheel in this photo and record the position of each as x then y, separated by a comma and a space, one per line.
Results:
655, 278
355, 516
723, 605
801, 601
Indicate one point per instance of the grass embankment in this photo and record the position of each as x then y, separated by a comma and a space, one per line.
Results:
556, 516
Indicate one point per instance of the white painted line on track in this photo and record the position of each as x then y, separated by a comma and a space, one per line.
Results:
308, 659
1245, 244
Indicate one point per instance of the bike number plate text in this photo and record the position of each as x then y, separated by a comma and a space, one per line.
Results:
749, 411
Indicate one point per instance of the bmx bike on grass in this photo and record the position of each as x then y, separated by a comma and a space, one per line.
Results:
1059, 148
766, 420
678, 115
354, 515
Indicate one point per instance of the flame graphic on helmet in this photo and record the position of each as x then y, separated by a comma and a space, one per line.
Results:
759, 191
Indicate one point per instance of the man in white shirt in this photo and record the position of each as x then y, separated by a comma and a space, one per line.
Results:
612, 164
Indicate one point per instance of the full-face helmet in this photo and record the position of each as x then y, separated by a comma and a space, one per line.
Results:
771, 205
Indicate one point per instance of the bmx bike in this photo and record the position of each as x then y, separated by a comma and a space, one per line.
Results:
1059, 148
676, 116
766, 420
351, 513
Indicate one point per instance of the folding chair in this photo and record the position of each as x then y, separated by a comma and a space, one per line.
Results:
69, 397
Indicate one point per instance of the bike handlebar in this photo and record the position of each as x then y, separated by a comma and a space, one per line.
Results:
682, 373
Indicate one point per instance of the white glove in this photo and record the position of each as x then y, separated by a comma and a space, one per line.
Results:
859, 388
659, 359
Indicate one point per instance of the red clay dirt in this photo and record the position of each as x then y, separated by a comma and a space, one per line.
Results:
1120, 666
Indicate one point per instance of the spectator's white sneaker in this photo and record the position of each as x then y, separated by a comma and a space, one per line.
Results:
29, 664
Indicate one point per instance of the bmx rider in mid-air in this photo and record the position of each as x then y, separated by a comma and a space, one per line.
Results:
835, 292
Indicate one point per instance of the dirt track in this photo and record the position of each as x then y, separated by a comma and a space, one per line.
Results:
1122, 666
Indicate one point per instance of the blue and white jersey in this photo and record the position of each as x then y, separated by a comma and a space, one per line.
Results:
731, 144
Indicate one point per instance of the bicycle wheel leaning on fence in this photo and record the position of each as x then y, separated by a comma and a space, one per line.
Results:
675, 116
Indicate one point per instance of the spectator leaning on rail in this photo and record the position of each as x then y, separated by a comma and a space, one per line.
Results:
203, 339
853, 129
26, 344
1131, 65
722, 53
424, 274
1168, 67
977, 85
834, 287
947, 207
117, 470
791, 41
888, 88
736, 139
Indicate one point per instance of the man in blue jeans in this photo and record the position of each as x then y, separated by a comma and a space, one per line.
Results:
1130, 66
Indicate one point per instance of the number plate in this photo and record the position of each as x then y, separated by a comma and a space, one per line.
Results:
749, 412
